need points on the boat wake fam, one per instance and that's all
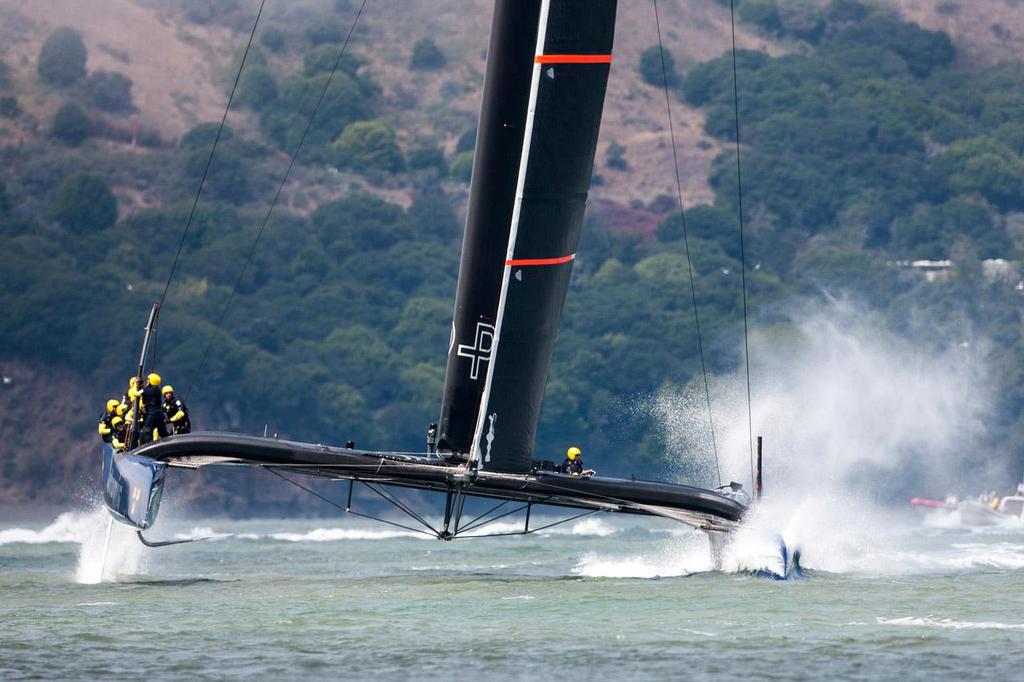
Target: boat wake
(949, 623)
(124, 555)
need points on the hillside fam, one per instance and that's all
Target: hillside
(869, 141)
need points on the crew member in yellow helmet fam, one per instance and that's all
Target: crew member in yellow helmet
(119, 434)
(104, 427)
(154, 421)
(176, 411)
(573, 464)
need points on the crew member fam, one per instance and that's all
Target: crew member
(154, 425)
(573, 464)
(128, 400)
(104, 428)
(176, 411)
(118, 435)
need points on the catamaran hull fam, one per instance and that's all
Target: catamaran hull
(125, 479)
(132, 487)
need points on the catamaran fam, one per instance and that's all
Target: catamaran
(543, 95)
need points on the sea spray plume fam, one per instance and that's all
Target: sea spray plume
(852, 415)
(843, 403)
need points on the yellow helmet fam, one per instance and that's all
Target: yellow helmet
(116, 421)
(154, 379)
(121, 409)
(133, 382)
(573, 452)
(167, 389)
(112, 404)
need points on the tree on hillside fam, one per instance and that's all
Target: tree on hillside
(368, 145)
(110, 91)
(426, 55)
(62, 57)
(203, 135)
(9, 107)
(84, 203)
(325, 30)
(227, 179)
(5, 202)
(425, 157)
(286, 118)
(651, 68)
(461, 167)
(256, 88)
(273, 39)
(70, 124)
(322, 58)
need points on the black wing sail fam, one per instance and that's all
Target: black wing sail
(499, 146)
(570, 75)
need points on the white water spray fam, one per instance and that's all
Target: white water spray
(853, 418)
(107, 551)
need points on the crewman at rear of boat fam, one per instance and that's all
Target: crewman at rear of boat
(176, 411)
(104, 427)
(154, 422)
(118, 434)
(573, 464)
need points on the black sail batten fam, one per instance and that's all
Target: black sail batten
(570, 76)
(491, 198)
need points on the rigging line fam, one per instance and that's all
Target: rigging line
(338, 506)
(273, 203)
(686, 242)
(397, 502)
(209, 160)
(532, 530)
(743, 255)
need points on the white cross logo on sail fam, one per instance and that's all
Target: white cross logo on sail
(480, 351)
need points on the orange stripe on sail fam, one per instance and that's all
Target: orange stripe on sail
(540, 261)
(572, 59)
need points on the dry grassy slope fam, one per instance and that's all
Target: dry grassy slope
(694, 30)
(167, 61)
(985, 31)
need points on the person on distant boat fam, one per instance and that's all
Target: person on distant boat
(104, 427)
(176, 411)
(154, 422)
(118, 434)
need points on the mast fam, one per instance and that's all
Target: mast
(154, 315)
(492, 195)
(571, 62)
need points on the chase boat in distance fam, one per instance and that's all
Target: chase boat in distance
(543, 96)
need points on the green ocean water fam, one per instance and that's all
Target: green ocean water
(600, 598)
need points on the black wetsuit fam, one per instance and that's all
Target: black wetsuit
(105, 420)
(573, 467)
(153, 414)
(171, 409)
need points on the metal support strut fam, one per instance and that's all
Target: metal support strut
(455, 503)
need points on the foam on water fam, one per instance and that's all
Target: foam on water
(676, 555)
(949, 623)
(339, 534)
(124, 554)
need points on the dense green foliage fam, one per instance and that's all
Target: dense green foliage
(71, 125)
(369, 145)
(863, 148)
(62, 57)
(110, 91)
(84, 203)
(426, 55)
(654, 71)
